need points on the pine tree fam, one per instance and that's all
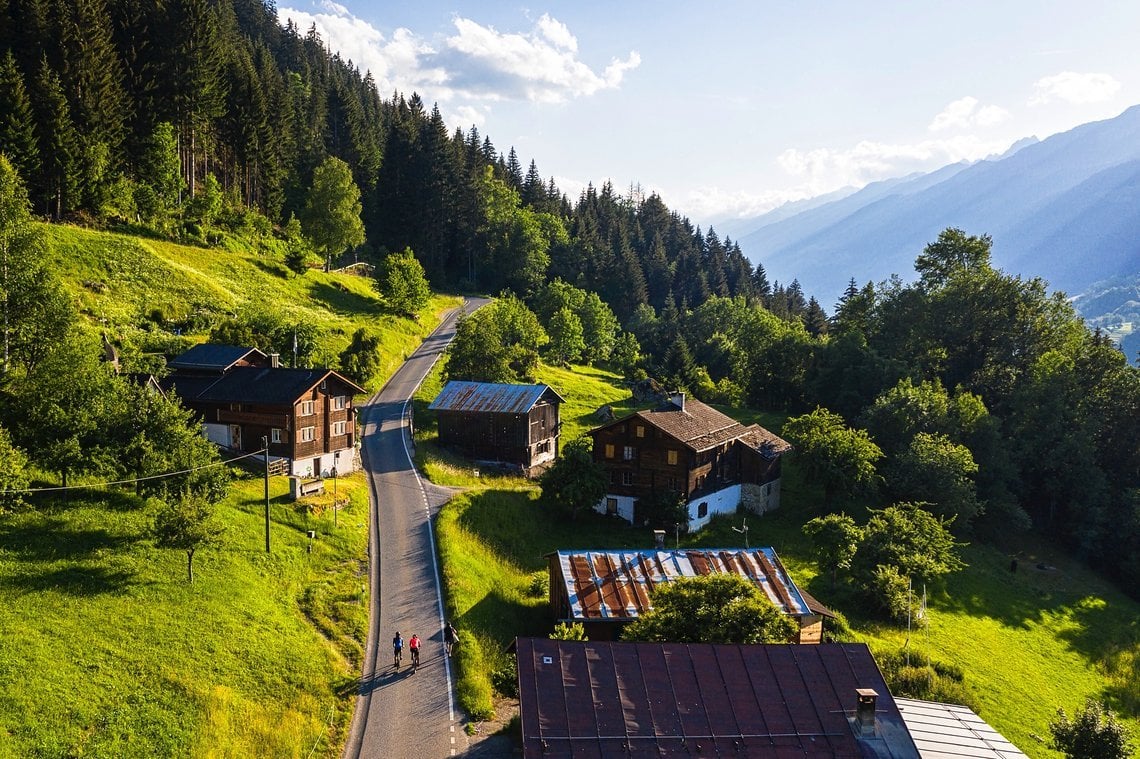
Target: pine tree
(17, 124)
(57, 185)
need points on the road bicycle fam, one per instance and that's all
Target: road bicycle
(415, 659)
(397, 655)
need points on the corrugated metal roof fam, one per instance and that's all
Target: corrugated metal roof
(606, 699)
(948, 731)
(490, 397)
(615, 585)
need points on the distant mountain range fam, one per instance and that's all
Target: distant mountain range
(1066, 209)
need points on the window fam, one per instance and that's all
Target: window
(306, 408)
(613, 477)
(672, 457)
(308, 434)
(673, 484)
(627, 478)
(611, 506)
(235, 407)
(338, 402)
(703, 510)
(609, 450)
(338, 428)
(275, 435)
(628, 452)
(640, 431)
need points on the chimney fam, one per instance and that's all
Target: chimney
(678, 400)
(659, 539)
(274, 360)
(865, 710)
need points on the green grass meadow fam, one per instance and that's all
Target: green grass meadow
(1027, 642)
(108, 651)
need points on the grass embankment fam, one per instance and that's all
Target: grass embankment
(107, 651)
(140, 290)
(1027, 643)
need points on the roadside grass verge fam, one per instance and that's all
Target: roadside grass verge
(106, 650)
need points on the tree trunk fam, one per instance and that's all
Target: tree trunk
(190, 565)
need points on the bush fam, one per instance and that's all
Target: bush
(890, 592)
(569, 631)
(505, 679)
(539, 586)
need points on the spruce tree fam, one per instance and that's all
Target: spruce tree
(17, 124)
(57, 184)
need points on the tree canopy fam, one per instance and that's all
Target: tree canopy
(716, 608)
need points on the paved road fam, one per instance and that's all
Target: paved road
(400, 714)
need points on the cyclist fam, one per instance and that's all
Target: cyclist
(397, 649)
(414, 647)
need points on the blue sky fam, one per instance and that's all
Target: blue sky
(732, 108)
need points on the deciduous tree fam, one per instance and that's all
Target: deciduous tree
(187, 523)
(842, 459)
(574, 483)
(717, 608)
(331, 218)
(403, 284)
(1092, 733)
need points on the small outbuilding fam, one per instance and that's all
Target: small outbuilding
(518, 425)
(606, 590)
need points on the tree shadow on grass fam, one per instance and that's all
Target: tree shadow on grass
(340, 298)
(272, 269)
(53, 539)
(111, 499)
(74, 580)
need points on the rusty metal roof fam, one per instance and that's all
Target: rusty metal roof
(491, 397)
(615, 585)
(607, 699)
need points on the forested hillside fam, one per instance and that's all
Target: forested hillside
(205, 121)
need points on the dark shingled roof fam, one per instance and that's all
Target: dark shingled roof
(265, 385)
(217, 358)
(491, 397)
(701, 427)
(605, 699)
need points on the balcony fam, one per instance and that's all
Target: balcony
(281, 421)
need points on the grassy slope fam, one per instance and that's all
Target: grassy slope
(105, 650)
(1028, 643)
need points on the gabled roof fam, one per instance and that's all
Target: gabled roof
(700, 427)
(606, 699)
(215, 358)
(257, 384)
(615, 585)
(947, 731)
(492, 397)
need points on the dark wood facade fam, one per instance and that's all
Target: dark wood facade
(511, 424)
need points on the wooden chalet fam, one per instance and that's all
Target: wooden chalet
(516, 425)
(605, 699)
(605, 590)
(307, 416)
(684, 446)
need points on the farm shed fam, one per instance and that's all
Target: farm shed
(495, 422)
(606, 590)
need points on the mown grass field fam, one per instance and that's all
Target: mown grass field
(1028, 642)
(107, 651)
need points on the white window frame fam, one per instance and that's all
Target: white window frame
(308, 408)
(275, 435)
(307, 434)
(628, 453)
(339, 402)
(339, 428)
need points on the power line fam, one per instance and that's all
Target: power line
(87, 486)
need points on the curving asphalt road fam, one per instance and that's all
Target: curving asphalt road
(400, 714)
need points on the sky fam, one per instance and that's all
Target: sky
(729, 109)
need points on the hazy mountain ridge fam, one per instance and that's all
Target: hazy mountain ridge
(1063, 209)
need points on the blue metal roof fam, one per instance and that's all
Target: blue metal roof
(490, 397)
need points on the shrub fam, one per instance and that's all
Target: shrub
(569, 631)
(539, 586)
(891, 593)
(505, 679)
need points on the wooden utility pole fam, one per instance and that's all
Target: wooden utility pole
(265, 446)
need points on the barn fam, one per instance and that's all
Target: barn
(500, 423)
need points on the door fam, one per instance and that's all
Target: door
(235, 437)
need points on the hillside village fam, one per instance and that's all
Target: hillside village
(290, 371)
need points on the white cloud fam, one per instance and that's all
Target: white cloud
(540, 66)
(1074, 88)
(965, 113)
(713, 202)
(468, 70)
(822, 169)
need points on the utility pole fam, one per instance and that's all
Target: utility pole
(265, 446)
